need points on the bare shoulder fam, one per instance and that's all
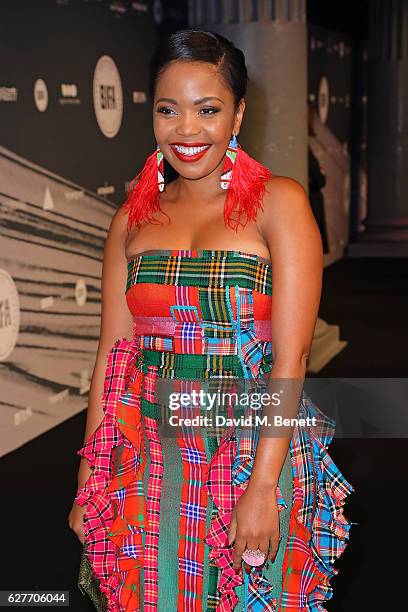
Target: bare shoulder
(284, 195)
(119, 222)
(116, 238)
(285, 204)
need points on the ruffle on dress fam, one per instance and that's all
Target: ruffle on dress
(318, 529)
(115, 516)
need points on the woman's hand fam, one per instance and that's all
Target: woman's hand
(76, 520)
(255, 524)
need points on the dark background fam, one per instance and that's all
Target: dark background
(61, 43)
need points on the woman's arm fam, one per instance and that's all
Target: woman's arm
(288, 226)
(291, 232)
(116, 322)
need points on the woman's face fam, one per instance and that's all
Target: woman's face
(194, 117)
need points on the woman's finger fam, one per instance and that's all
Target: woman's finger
(274, 547)
(239, 547)
(232, 529)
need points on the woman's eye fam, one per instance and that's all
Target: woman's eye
(209, 110)
(165, 110)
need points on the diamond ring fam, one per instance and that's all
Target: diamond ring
(253, 557)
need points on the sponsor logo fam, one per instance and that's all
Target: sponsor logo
(80, 292)
(107, 96)
(105, 190)
(117, 7)
(157, 11)
(323, 99)
(139, 7)
(41, 95)
(69, 94)
(58, 397)
(139, 97)
(77, 194)
(8, 94)
(23, 415)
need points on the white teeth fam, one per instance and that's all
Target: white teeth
(189, 150)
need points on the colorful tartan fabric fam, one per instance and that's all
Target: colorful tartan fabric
(201, 316)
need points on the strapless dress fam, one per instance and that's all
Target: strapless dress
(159, 499)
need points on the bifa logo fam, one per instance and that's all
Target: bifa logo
(108, 100)
(41, 95)
(323, 99)
(9, 314)
(69, 90)
(108, 96)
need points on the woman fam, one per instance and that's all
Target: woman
(206, 521)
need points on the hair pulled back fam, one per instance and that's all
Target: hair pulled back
(201, 46)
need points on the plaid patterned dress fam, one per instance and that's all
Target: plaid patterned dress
(159, 503)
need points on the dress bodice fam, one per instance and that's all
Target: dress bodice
(203, 302)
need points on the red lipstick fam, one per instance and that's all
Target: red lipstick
(180, 149)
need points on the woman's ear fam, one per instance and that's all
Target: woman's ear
(239, 116)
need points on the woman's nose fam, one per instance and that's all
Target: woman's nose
(187, 125)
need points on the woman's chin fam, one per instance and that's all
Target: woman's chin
(189, 172)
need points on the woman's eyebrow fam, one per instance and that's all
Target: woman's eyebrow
(207, 98)
(199, 101)
(170, 100)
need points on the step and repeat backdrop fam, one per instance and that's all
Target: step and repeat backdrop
(75, 129)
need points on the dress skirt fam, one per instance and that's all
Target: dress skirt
(179, 536)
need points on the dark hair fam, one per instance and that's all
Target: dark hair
(202, 46)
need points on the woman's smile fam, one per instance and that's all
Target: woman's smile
(189, 152)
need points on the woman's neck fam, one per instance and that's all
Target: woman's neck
(203, 190)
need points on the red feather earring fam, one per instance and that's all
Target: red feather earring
(143, 196)
(242, 177)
